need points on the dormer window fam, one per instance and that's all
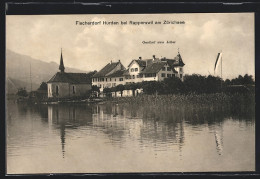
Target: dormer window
(163, 68)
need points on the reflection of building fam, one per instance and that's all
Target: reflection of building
(64, 84)
(155, 69)
(66, 117)
(121, 123)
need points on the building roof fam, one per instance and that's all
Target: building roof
(177, 61)
(117, 74)
(107, 69)
(126, 72)
(61, 67)
(154, 67)
(73, 78)
(141, 63)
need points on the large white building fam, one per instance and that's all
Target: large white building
(155, 69)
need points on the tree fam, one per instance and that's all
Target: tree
(172, 85)
(22, 92)
(95, 88)
(43, 86)
(248, 80)
(213, 84)
(194, 83)
(152, 87)
(107, 91)
(120, 88)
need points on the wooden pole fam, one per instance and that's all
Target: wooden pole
(221, 71)
(31, 77)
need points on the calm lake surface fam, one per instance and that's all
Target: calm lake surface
(92, 138)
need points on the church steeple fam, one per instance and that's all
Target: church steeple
(61, 67)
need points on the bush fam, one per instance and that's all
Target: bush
(22, 92)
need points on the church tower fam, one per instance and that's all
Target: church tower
(61, 67)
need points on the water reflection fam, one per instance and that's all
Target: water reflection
(159, 128)
(163, 132)
(65, 117)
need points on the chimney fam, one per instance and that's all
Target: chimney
(118, 60)
(111, 61)
(140, 58)
(153, 58)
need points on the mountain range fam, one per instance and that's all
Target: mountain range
(23, 71)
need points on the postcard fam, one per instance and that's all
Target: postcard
(130, 93)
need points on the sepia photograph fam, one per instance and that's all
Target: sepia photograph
(130, 93)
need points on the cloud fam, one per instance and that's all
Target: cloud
(91, 47)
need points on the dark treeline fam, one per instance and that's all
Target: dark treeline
(191, 84)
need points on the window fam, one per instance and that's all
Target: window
(73, 90)
(110, 79)
(57, 90)
(180, 75)
(132, 69)
(121, 79)
(115, 79)
(106, 79)
(136, 69)
(163, 74)
(173, 75)
(168, 68)
(168, 75)
(163, 68)
(180, 69)
(150, 75)
(133, 76)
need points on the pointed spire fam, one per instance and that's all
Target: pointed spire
(61, 67)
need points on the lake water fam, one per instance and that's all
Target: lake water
(93, 138)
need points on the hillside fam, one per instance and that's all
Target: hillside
(18, 71)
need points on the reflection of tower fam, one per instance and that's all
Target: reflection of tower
(62, 131)
(218, 132)
(54, 117)
(62, 137)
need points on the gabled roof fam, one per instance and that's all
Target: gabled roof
(126, 72)
(117, 74)
(108, 68)
(154, 67)
(73, 78)
(141, 63)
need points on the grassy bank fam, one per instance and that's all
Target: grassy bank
(196, 108)
(187, 100)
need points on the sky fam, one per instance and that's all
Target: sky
(91, 47)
